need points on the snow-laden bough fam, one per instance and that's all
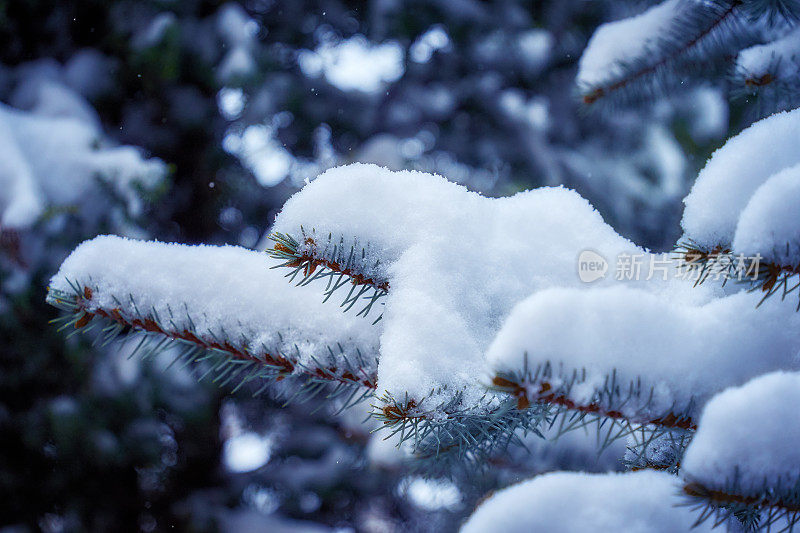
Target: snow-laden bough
(636, 357)
(224, 306)
(443, 267)
(744, 459)
(742, 214)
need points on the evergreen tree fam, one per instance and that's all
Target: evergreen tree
(462, 328)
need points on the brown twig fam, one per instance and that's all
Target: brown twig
(547, 395)
(287, 366)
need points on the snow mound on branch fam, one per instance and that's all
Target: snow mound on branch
(222, 292)
(747, 438)
(564, 502)
(734, 173)
(779, 59)
(616, 43)
(456, 263)
(770, 224)
(54, 156)
(680, 349)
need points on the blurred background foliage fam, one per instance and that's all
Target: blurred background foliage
(230, 108)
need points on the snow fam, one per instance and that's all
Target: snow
(56, 161)
(235, 26)
(708, 113)
(431, 494)
(246, 452)
(681, 349)
(536, 48)
(261, 152)
(90, 73)
(355, 63)
(388, 453)
(779, 58)
(770, 224)
(456, 263)
(231, 102)
(534, 112)
(616, 43)
(20, 199)
(225, 291)
(51, 98)
(153, 34)
(238, 63)
(238, 33)
(734, 173)
(564, 502)
(55, 151)
(749, 435)
(431, 41)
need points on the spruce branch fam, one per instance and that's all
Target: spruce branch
(768, 278)
(774, 504)
(656, 450)
(629, 404)
(765, 93)
(313, 258)
(452, 434)
(616, 410)
(700, 39)
(476, 434)
(768, 85)
(775, 11)
(227, 359)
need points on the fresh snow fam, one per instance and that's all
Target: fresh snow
(779, 58)
(616, 43)
(246, 452)
(748, 438)
(354, 64)
(55, 153)
(431, 494)
(565, 502)
(456, 263)
(734, 173)
(770, 224)
(220, 292)
(678, 348)
(238, 33)
(433, 40)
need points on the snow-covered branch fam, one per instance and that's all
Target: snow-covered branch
(742, 212)
(749, 469)
(635, 357)
(334, 262)
(637, 57)
(216, 301)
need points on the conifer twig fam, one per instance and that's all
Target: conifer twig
(342, 265)
(642, 68)
(754, 511)
(767, 277)
(83, 313)
(520, 389)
